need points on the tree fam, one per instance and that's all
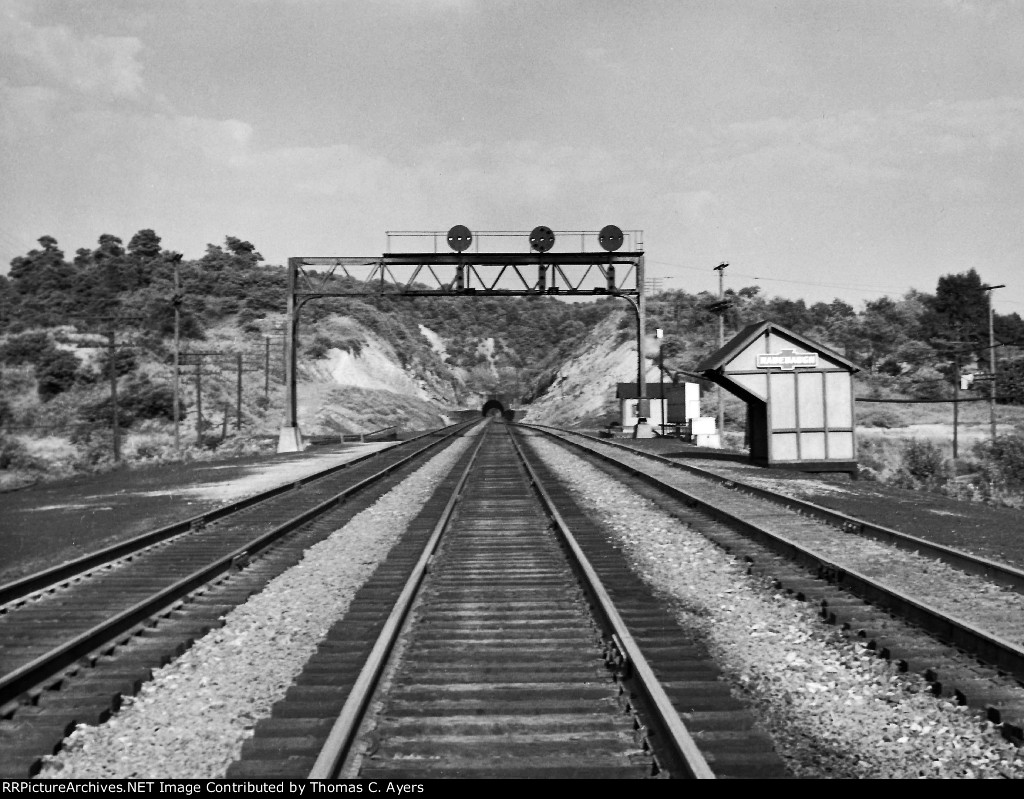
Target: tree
(1009, 328)
(244, 251)
(884, 327)
(958, 312)
(30, 273)
(110, 246)
(145, 244)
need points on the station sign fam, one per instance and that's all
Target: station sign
(787, 360)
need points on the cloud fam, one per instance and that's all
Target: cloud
(989, 11)
(867, 147)
(99, 66)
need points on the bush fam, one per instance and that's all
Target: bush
(55, 371)
(318, 347)
(125, 363)
(145, 400)
(879, 417)
(25, 349)
(1002, 461)
(139, 399)
(14, 455)
(923, 462)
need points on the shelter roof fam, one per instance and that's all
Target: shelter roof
(725, 355)
(672, 390)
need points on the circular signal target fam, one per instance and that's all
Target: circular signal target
(459, 238)
(610, 238)
(542, 239)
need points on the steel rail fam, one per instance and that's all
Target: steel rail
(339, 741)
(17, 682)
(48, 578)
(992, 649)
(684, 752)
(999, 573)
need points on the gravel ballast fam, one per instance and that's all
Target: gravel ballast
(833, 708)
(193, 717)
(967, 597)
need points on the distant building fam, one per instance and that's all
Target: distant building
(671, 404)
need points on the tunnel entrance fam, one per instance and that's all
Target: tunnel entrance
(493, 408)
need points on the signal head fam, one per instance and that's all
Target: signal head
(459, 238)
(542, 239)
(610, 238)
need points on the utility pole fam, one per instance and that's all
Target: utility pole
(266, 370)
(238, 404)
(661, 377)
(992, 358)
(176, 302)
(721, 308)
(956, 406)
(112, 365)
(199, 399)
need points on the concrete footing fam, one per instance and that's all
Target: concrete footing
(290, 440)
(643, 430)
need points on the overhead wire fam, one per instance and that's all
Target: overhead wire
(868, 288)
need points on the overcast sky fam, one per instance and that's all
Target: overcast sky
(824, 149)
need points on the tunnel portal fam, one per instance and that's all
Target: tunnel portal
(493, 408)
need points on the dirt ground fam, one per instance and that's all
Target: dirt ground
(51, 523)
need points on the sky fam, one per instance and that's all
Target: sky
(824, 149)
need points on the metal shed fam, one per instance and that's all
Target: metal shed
(799, 397)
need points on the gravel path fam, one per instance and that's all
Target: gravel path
(191, 720)
(833, 709)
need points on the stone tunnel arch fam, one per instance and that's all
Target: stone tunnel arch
(492, 407)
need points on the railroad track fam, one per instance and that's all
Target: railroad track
(487, 646)
(993, 571)
(776, 531)
(77, 637)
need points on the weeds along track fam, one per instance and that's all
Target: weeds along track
(77, 637)
(504, 637)
(954, 618)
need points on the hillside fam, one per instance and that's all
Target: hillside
(377, 361)
(583, 390)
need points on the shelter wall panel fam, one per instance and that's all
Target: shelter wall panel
(840, 446)
(837, 398)
(811, 398)
(812, 446)
(747, 359)
(755, 384)
(784, 447)
(782, 391)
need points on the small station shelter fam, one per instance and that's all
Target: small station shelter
(666, 400)
(799, 397)
(674, 405)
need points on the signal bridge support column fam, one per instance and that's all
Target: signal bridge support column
(290, 439)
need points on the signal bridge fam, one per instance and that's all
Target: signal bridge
(489, 263)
